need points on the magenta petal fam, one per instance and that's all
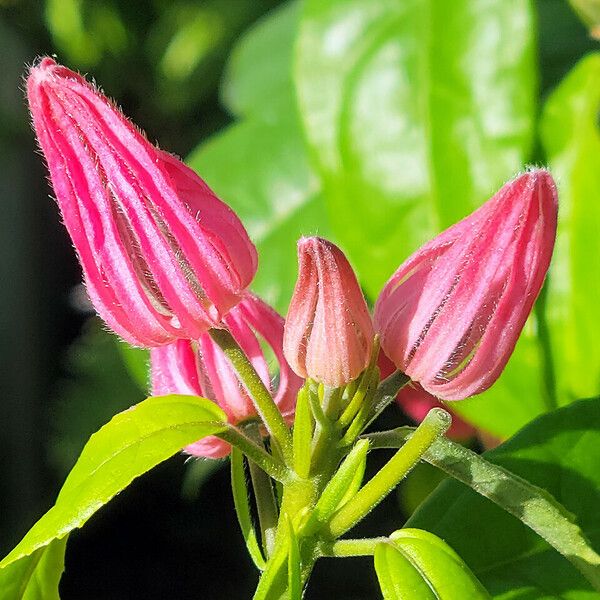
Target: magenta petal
(451, 314)
(328, 329)
(163, 258)
(186, 367)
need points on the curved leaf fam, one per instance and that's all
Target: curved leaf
(559, 452)
(35, 577)
(132, 443)
(416, 112)
(417, 565)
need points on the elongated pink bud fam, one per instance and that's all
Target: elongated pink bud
(328, 329)
(163, 258)
(201, 369)
(450, 316)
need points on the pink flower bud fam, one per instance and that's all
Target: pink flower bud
(416, 403)
(163, 258)
(201, 369)
(450, 316)
(328, 329)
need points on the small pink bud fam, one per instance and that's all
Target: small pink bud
(201, 369)
(416, 403)
(328, 329)
(163, 258)
(450, 316)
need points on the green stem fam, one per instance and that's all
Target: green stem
(266, 505)
(257, 454)
(349, 548)
(433, 426)
(262, 399)
(532, 505)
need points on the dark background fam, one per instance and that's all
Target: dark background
(173, 533)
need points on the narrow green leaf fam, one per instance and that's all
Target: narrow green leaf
(355, 483)
(302, 435)
(559, 452)
(271, 578)
(35, 577)
(132, 443)
(335, 490)
(261, 170)
(239, 489)
(415, 112)
(571, 137)
(258, 75)
(417, 565)
(529, 503)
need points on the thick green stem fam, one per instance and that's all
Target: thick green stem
(262, 399)
(433, 426)
(266, 505)
(257, 454)
(349, 548)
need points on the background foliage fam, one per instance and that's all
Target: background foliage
(375, 123)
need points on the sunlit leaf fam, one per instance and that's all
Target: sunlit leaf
(571, 136)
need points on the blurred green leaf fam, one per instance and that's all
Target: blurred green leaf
(258, 76)
(261, 170)
(589, 13)
(417, 565)
(35, 577)
(416, 112)
(84, 30)
(132, 443)
(137, 362)
(571, 137)
(559, 452)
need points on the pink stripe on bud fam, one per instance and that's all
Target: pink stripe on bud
(328, 329)
(163, 258)
(201, 369)
(450, 316)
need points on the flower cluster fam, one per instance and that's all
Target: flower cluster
(165, 262)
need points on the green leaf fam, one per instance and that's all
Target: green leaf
(417, 565)
(258, 76)
(529, 503)
(261, 170)
(416, 111)
(335, 491)
(239, 488)
(571, 137)
(559, 452)
(132, 443)
(35, 577)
